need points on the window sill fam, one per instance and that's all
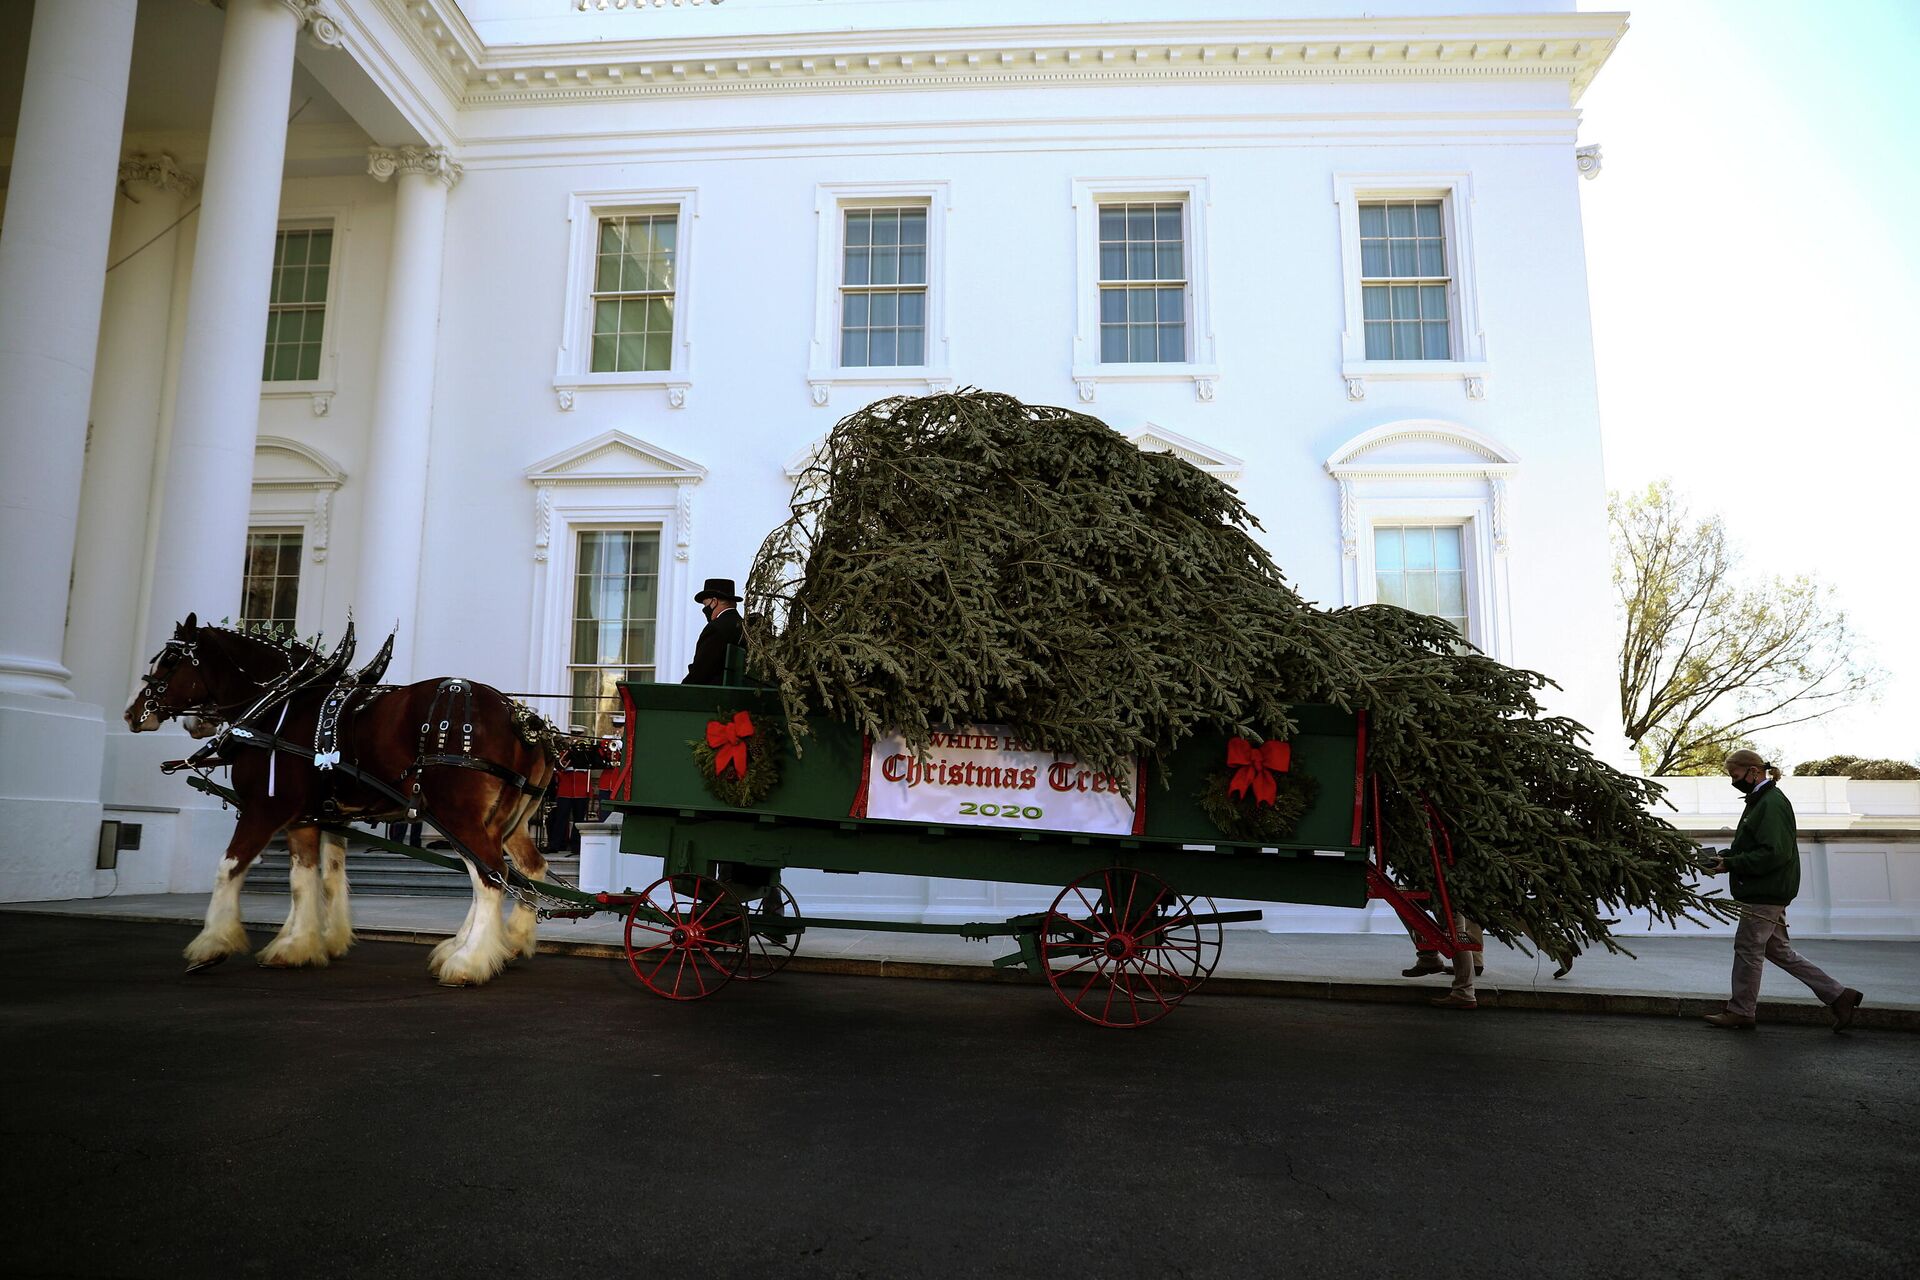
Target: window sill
(678, 386)
(319, 393)
(821, 382)
(1471, 373)
(1087, 378)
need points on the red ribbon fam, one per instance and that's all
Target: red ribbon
(728, 740)
(1253, 768)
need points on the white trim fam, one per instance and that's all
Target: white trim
(1154, 438)
(1428, 471)
(1200, 367)
(824, 371)
(1455, 192)
(319, 392)
(584, 211)
(613, 481)
(298, 494)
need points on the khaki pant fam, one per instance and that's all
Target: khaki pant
(1466, 931)
(1762, 936)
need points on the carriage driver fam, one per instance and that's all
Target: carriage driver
(716, 601)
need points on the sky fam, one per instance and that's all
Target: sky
(1753, 250)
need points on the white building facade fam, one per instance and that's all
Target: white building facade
(509, 321)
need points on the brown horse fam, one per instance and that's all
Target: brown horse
(474, 761)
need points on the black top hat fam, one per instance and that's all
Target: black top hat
(717, 589)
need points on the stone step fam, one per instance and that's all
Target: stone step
(383, 873)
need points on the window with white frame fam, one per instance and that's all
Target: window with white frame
(270, 585)
(634, 284)
(1142, 305)
(297, 304)
(616, 605)
(1422, 567)
(630, 293)
(1405, 287)
(1143, 282)
(1407, 263)
(883, 287)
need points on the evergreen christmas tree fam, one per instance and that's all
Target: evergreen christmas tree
(968, 558)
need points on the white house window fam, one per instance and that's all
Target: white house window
(297, 304)
(883, 288)
(1422, 568)
(1142, 308)
(1404, 281)
(270, 587)
(1143, 282)
(1412, 307)
(633, 292)
(616, 605)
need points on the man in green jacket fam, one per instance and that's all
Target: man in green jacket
(1764, 863)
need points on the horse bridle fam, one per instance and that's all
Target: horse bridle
(154, 686)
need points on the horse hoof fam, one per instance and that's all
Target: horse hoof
(198, 965)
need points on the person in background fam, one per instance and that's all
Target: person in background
(1764, 865)
(724, 627)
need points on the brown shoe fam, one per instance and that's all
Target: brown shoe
(1454, 1000)
(1728, 1021)
(1427, 963)
(1843, 1007)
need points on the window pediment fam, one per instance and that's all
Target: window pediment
(615, 458)
(1153, 438)
(1421, 447)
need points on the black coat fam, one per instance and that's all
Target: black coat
(709, 664)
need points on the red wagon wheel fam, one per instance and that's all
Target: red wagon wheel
(686, 937)
(1121, 949)
(775, 937)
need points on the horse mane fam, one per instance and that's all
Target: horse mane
(297, 651)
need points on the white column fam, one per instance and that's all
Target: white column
(388, 582)
(103, 618)
(201, 544)
(53, 261)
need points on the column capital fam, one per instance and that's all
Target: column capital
(322, 29)
(160, 171)
(432, 162)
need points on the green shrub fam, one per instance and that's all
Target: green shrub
(1844, 766)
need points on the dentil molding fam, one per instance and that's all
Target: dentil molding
(1569, 47)
(432, 162)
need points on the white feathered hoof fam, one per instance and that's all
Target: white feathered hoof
(522, 929)
(214, 945)
(339, 940)
(304, 951)
(470, 967)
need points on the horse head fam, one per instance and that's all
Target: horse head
(204, 675)
(176, 682)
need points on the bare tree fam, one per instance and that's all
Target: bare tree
(1710, 663)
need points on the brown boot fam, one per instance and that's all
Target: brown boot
(1454, 1000)
(1424, 963)
(1728, 1021)
(1843, 1007)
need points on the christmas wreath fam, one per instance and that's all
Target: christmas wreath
(739, 759)
(1257, 796)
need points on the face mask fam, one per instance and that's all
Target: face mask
(1742, 785)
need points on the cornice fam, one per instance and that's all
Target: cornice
(1567, 47)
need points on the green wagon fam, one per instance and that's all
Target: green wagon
(1133, 931)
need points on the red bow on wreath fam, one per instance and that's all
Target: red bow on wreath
(728, 740)
(1253, 768)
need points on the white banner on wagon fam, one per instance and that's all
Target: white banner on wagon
(979, 776)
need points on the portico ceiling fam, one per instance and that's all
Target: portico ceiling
(170, 91)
